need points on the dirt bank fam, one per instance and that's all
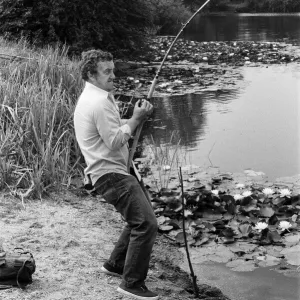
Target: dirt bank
(70, 236)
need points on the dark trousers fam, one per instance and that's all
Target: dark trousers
(133, 249)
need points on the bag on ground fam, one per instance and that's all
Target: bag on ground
(16, 269)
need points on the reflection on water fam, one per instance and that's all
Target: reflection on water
(245, 27)
(253, 127)
(187, 114)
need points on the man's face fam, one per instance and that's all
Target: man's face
(105, 76)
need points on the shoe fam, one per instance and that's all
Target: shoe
(109, 270)
(138, 293)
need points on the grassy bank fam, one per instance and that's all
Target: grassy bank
(38, 91)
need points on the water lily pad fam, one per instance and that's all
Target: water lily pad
(174, 223)
(274, 236)
(161, 220)
(241, 265)
(220, 254)
(291, 249)
(201, 241)
(292, 255)
(180, 237)
(248, 208)
(268, 260)
(165, 227)
(211, 216)
(275, 253)
(291, 240)
(242, 247)
(227, 240)
(279, 201)
(228, 232)
(254, 173)
(251, 256)
(293, 258)
(266, 211)
(245, 229)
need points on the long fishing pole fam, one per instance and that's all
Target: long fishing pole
(152, 88)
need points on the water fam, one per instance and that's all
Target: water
(260, 284)
(255, 126)
(245, 27)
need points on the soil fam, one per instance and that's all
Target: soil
(70, 236)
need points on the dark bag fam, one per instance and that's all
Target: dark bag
(16, 269)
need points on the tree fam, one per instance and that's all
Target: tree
(107, 24)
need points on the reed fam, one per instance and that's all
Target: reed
(37, 100)
(163, 158)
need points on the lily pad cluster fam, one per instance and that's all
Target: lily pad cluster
(231, 52)
(246, 225)
(194, 66)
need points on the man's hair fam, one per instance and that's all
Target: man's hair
(89, 62)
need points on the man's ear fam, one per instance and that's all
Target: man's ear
(90, 75)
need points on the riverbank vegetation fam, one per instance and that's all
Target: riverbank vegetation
(37, 143)
(117, 26)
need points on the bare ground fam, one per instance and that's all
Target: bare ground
(70, 236)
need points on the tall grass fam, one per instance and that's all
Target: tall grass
(37, 99)
(163, 159)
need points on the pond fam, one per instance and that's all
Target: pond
(261, 284)
(253, 126)
(245, 27)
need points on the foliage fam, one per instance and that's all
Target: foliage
(37, 98)
(274, 5)
(248, 5)
(113, 25)
(107, 24)
(168, 15)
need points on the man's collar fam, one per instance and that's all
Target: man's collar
(103, 92)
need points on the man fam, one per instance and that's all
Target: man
(102, 137)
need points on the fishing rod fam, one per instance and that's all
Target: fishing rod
(152, 88)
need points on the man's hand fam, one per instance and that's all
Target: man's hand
(142, 110)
